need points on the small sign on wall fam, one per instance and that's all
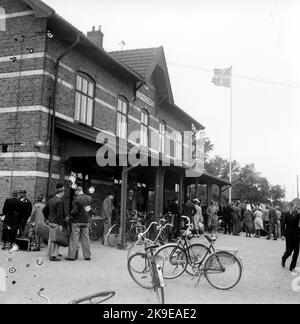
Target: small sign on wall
(145, 99)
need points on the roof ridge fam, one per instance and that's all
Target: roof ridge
(135, 49)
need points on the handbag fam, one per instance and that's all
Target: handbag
(42, 230)
(61, 237)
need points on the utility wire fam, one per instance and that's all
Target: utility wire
(281, 84)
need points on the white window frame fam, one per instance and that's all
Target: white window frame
(84, 99)
(178, 146)
(162, 137)
(144, 137)
(122, 118)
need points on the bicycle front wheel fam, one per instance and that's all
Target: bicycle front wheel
(139, 270)
(173, 260)
(197, 253)
(113, 235)
(223, 270)
(93, 235)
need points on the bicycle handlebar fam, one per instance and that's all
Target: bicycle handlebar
(189, 221)
(147, 230)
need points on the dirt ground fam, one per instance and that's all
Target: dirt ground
(263, 280)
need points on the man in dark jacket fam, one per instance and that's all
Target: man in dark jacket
(26, 210)
(80, 217)
(13, 210)
(227, 217)
(189, 209)
(291, 227)
(54, 213)
(174, 210)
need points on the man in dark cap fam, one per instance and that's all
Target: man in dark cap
(54, 212)
(13, 211)
(26, 210)
(80, 217)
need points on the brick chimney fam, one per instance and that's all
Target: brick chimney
(96, 36)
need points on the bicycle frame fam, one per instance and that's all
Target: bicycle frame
(210, 248)
(155, 270)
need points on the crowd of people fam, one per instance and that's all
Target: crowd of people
(236, 218)
(21, 219)
(19, 215)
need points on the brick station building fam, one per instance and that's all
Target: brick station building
(59, 89)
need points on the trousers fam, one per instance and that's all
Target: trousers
(292, 247)
(52, 246)
(80, 233)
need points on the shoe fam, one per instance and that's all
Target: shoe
(274, 239)
(54, 259)
(60, 255)
(87, 259)
(69, 259)
(292, 269)
(3, 248)
(283, 264)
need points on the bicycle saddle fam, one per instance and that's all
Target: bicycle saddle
(210, 239)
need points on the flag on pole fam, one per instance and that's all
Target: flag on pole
(222, 77)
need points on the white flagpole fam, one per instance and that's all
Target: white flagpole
(230, 145)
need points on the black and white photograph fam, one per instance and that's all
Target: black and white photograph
(149, 154)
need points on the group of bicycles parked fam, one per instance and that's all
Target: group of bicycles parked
(152, 259)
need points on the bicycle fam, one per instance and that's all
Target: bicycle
(93, 230)
(147, 272)
(143, 238)
(181, 255)
(133, 228)
(201, 259)
(98, 298)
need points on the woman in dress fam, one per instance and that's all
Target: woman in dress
(258, 222)
(248, 221)
(198, 218)
(36, 218)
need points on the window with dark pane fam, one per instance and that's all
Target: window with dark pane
(122, 111)
(84, 99)
(145, 128)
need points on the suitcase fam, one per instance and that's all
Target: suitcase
(23, 244)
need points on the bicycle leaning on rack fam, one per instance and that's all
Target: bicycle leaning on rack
(134, 226)
(146, 271)
(143, 238)
(222, 268)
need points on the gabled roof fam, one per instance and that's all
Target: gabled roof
(147, 62)
(138, 60)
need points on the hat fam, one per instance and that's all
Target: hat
(59, 190)
(196, 200)
(22, 191)
(60, 185)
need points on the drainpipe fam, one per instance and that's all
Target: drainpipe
(52, 130)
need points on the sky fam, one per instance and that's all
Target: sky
(259, 39)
